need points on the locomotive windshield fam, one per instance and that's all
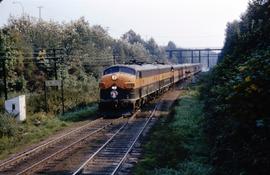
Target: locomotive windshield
(119, 69)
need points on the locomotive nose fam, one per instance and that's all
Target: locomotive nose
(120, 80)
(114, 94)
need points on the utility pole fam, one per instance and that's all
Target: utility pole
(18, 2)
(45, 98)
(62, 87)
(5, 77)
(39, 9)
(114, 59)
(114, 52)
(55, 65)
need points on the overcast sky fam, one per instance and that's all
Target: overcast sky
(189, 23)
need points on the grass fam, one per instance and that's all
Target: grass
(80, 114)
(177, 143)
(15, 136)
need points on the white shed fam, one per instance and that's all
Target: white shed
(17, 107)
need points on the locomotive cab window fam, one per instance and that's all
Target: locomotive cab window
(119, 69)
(139, 74)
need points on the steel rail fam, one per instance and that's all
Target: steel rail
(132, 145)
(43, 146)
(60, 151)
(78, 171)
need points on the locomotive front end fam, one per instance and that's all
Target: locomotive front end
(117, 91)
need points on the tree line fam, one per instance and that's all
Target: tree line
(237, 96)
(27, 45)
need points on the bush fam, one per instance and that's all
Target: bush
(2, 103)
(8, 125)
(77, 94)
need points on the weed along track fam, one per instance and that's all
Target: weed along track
(37, 158)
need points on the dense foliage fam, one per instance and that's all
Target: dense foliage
(27, 46)
(237, 96)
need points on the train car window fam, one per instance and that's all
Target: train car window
(127, 70)
(119, 69)
(147, 73)
(111, 70)
(140, 74)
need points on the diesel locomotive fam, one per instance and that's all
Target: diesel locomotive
(125, 88)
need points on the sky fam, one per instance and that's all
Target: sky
(188, 23)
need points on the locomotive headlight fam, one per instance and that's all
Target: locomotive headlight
(114, 87)
(114, 77)
(114, 94)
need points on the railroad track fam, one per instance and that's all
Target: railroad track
(93, 139)
(34, 159)
(111, 155)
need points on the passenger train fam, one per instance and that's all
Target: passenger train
(125, 88)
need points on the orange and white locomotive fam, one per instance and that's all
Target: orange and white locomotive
(124, 88)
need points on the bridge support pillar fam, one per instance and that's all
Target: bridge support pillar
(199, 56)
(208, 59)
(192, 56)
(180, 59)
(170, 54)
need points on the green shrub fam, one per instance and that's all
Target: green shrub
(2, 102)
(77, 94)
(8, 125)
(165, 171)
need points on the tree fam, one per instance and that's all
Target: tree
(237, 97)
(132, 37)
(171, 45)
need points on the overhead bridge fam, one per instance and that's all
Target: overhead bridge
(206, 56)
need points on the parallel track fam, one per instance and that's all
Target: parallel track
(28, 162)
(111, 155)
(101, 139)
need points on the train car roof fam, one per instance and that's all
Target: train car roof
(145, 67)
(142, 67)
(185, 65)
